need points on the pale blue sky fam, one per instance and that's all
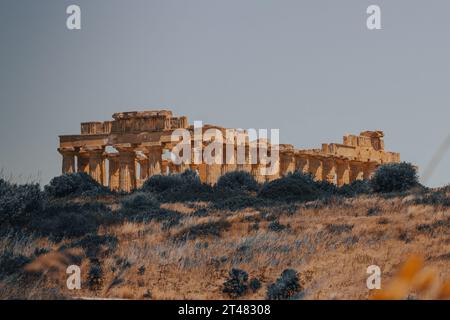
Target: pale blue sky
(309, 68)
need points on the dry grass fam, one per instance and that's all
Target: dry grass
(330, 246)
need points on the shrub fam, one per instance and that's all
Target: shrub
(11, 263)
(144, 207)
(236, 285)
(74, 184)
(203, 230)
(238, 202)
(95, 277)
(254, 284)
(355, 188)
(19, 202)
(59, 220)
(237, 181)
(285, 287)
(93, 245)
(178, 187)
(295, 186)
(394, 177)
(139, 201)
(435, 198)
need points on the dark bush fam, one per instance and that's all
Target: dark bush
(355, 188)
(239, 202)
(295, 186)
(286, 287)
(237, 181)
(202, 212)
(144, 207)
(19, 202)
(74, 184)
(139, 201)
(236, 285)
(11, 263)
(254, 284)
(178, 187)
(59, 220)
(436, 198)
(394, 177)
(95, 277)
(94, 245)
(203, 230)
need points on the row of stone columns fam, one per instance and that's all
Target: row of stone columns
(123, 166)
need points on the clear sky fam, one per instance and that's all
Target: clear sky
(310, 68)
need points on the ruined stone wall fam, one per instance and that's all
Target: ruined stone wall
(139, 140)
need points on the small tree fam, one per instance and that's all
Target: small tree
(394, 177)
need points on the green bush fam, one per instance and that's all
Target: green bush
(69, 220)
(178, 187)
(144, 207)
(19, 202)
(355, 188)
(286, 287)
(237, 181)
(295, 186)
(394, 177)
(74, 184)
(140, 201)
(236, 285)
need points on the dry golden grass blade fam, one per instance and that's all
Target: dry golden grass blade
(424, 280)
(444, 291)
(57, 261)
(411, 267)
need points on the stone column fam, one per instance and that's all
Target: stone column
(154, 155)
(114, 175)
(302, 164)
(329, 171)
(315, 168)
(127, 170)
(343, 172)
(287, 162)
(68, 160)
(96, 166)
(83, 162)
(212, 173)
(144, 169)
(369, 169)
(356, 171)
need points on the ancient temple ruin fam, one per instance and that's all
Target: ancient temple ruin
(124, 152)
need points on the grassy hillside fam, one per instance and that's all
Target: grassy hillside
(149, 246)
